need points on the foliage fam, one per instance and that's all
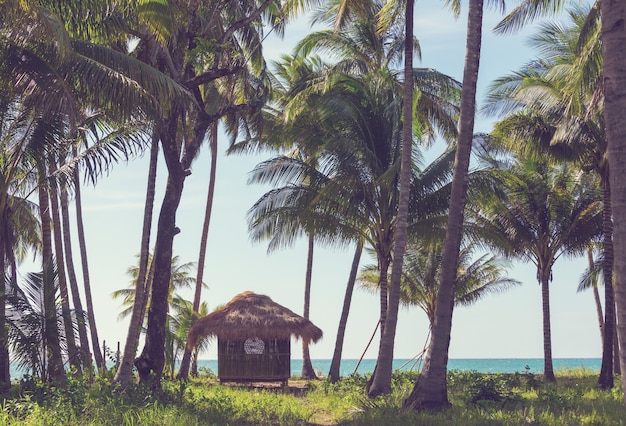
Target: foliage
(477, 399)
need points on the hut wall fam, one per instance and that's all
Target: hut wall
(249, 360)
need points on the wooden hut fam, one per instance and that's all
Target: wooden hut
(253, 338)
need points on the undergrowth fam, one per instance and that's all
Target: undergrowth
(476, 399)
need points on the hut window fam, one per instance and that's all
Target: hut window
(254, 346)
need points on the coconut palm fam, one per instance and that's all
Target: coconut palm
(368, 44)
(430, 390)
(19, 229)
(557, 99)
(213, 56)
(27, 322)
(549, 211)
(181, 279)
(68, 61)
(476, 277)
(614, 53)
(181, 318)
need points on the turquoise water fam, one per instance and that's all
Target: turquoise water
(483, 365)
(489, 365)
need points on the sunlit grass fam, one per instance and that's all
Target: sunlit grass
(477, 399)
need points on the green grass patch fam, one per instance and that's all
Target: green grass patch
(476, 398)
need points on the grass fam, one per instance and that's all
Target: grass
(476, 398)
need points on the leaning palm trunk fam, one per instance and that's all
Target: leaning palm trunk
(152, 359)
(307, 366)
(381, 381)
(85, 355)
(183, 372)
(334, 372)
(614, 74)
(124, 373)
(95, 342)
(605, 380)
(5, 373)
(430, 390)
(70, 339)
(52, 343)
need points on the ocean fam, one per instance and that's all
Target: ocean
(482, 365)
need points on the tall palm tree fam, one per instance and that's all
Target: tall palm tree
(124, 373)
(558, 99)
(215, 56)
(430, 390)
(381, 380)
(347, 11)
(335, 363)
(548, 211)
(183, 371)
(614, 53)
(59, 62)
(368, 44)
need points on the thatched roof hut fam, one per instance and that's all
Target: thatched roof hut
(254, 335)
(254, 315)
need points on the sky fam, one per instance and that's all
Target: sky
(507, 325)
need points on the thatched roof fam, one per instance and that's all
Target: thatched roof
(250, 315)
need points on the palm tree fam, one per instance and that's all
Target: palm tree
(557, 98)
(69, 61)
(180, 276)
(187, 355)
(214, 56)
(549, 211)
(430, 390)
(28, 326)
(124, 373)
(614, 53)
(180, 319)
(476, 278)
(335, 364)
(19, 229)
(367, 44)
(381, 380)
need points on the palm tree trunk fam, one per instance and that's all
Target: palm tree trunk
(307, 366)
(54, 370)
(70, 338)
(548, 370)
(183, 371)
(430, 390)
(596, 295)
(605, 381)
(383, 286)
(152, 358)
(85, 355)
(95, 342)
(614, 77)
(616, 351)
(5, 372)
(381, 381)
(124, 373)
(334, 372)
